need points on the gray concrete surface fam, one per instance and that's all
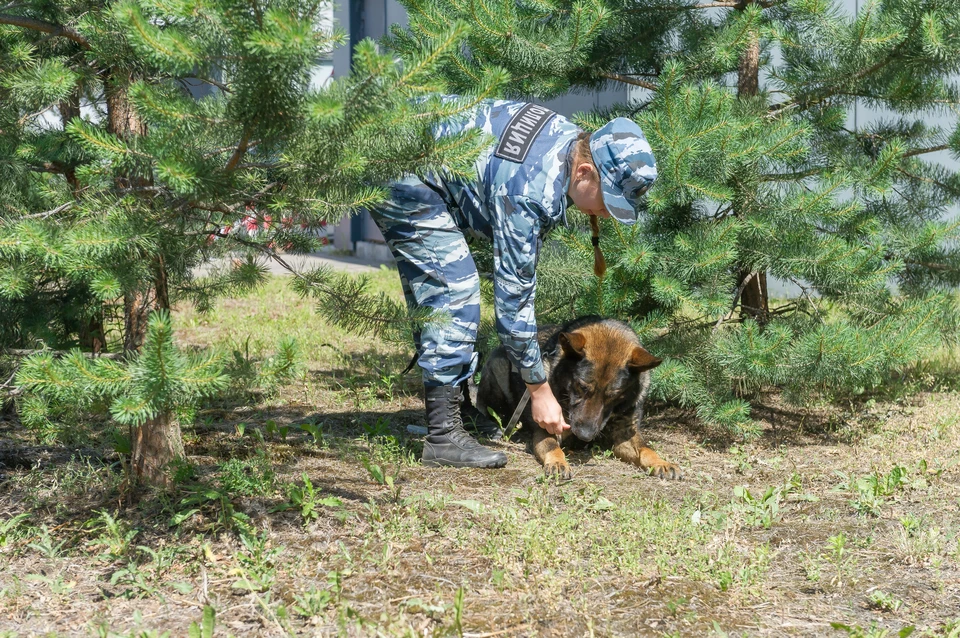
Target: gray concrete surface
(326, 256)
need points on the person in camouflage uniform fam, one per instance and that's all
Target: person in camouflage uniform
(518, 194)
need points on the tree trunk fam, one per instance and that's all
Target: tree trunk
(160, 283)
(92, 336)
(748, 73)
(123, 121)
(122, 118)
(754, 300)
(136, 309)
(137, 306)
(154, 445)
(157, 442)
(69, 109)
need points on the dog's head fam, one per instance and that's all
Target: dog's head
(599, 374)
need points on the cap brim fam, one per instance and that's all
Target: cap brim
(616, 203)
(619, 206)
(626, 164)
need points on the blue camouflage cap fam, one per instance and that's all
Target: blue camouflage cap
(626, 165)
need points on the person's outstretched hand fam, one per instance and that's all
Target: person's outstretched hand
(546, 411)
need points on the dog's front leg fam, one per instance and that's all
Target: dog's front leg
(630, 447)
(548, 452)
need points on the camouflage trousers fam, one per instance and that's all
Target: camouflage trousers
(436, 271)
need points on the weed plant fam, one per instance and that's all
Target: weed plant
(248, 477)
(307, 501)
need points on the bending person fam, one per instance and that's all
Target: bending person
(519, 192)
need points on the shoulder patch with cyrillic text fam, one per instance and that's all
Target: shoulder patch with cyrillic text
(522, 130)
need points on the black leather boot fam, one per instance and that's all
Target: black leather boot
(447, 443)
(474, 421)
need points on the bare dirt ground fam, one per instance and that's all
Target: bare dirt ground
(303, 511)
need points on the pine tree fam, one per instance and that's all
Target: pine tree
(147, 387)
(761, 175)
(116, 182)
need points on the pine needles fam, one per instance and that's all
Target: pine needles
(761, 177)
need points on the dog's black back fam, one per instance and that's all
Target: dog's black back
(597, 370)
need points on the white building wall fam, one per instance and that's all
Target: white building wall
(863, 116)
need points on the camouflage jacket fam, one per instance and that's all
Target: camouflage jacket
(519, 193)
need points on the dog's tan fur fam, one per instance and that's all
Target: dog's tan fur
(593, 365)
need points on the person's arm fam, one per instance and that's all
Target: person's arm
(515, 249)
(545, 409)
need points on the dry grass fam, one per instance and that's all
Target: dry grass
(847, 516)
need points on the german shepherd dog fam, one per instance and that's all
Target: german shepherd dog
(599, 373)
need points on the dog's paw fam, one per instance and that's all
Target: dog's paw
(665, 470)
(559, 470)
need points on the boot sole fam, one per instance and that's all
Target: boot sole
(493, 465)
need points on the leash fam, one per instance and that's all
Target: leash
(412, 363)
(516, 413)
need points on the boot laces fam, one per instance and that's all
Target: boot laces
(462, 438)
(457, 434)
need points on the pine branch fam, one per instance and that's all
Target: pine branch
(736, 297)
(21, 352)
(55, 30)
(30, 116)
(50, 213)
(277, 165)
(931, 149)
(224, 149)
(874, 96)
(95, 137)
(720, 4)
(629, 80)
(9, 382)
(734, 4)
(219, 207)
(931, 265)
(785, 177)
(930, 180)
(54, 168)
(220, 85)
(241, 149)
(838, 85)
(440, 49)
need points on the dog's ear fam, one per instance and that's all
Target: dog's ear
(641, 360)
(572, 344)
